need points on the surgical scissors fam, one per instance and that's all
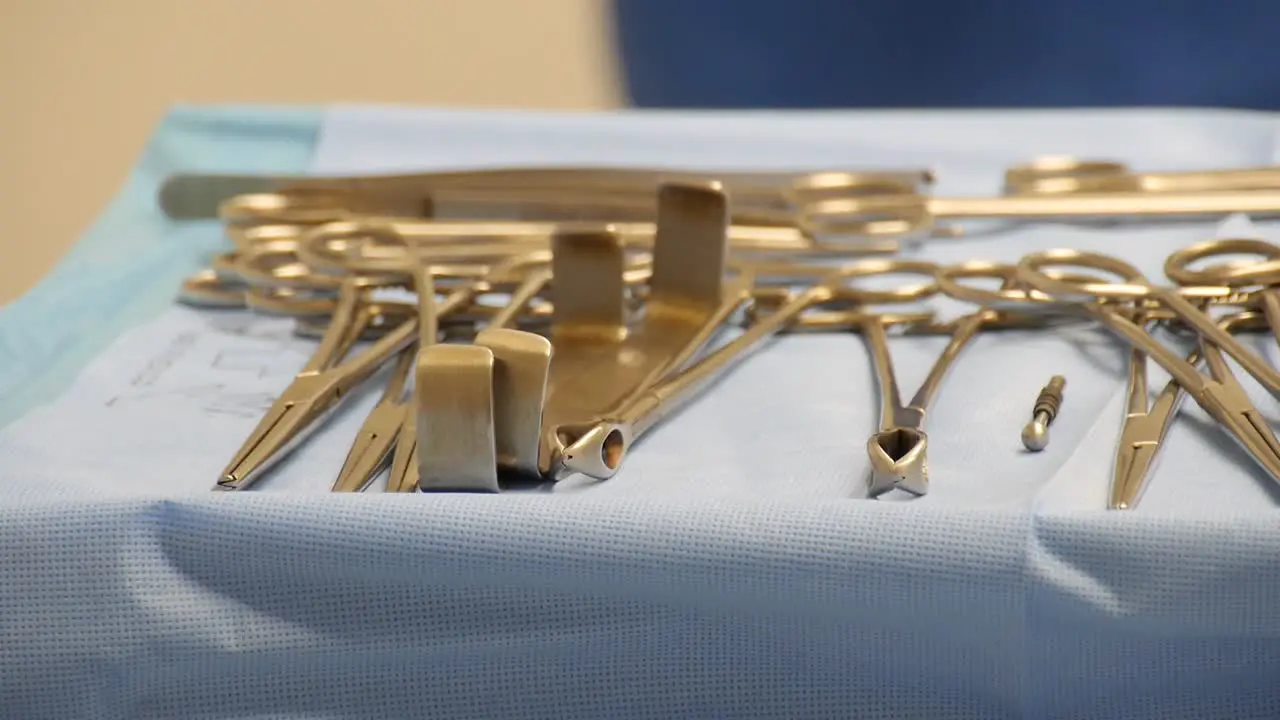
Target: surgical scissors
(1218, 393)
(1061, 174)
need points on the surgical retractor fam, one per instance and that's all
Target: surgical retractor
(1035, 436)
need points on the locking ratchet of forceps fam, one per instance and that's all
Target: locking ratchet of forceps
(1063, 174)
(1219, 394)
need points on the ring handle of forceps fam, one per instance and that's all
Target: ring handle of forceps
(325, 273)
(279, 264)
(839, 280)
(835, 280)
(294, 207)
(276, 264)
(321, 249)
(1231, 274)
(1133, 285)
(1017, 299)
(876, 210)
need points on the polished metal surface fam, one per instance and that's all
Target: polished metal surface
(536, 323)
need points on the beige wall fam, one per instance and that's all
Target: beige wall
(85, 81)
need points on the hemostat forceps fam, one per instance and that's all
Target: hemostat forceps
(1145, 428)
(898, 452)
(1060, 174)
(318, 388)
(1218, 393)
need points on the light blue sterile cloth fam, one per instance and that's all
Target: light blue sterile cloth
(126, 266)
(730, 570)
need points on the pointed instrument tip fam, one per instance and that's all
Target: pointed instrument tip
(1119, 500)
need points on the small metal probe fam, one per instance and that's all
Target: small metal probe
(1035, 436)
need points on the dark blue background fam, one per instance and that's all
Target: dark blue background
(949, 53)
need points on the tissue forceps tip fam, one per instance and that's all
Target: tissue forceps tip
(1136, 454)
(404, 460)
(301, 407)
(371, 450)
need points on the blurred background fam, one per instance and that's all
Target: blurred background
(85, 82)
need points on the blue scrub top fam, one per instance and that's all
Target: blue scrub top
(949, 53)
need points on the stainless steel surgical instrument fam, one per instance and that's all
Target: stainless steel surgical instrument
(1219, 393)
(600, 359)
(1257, 280)
(1059, 174)
(599, 447)
(373, 245)
(326, 379)
(1145, 427)
(1035, 434)
(371, 450)
(899, 451)
(309, 199)
(914, 214)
